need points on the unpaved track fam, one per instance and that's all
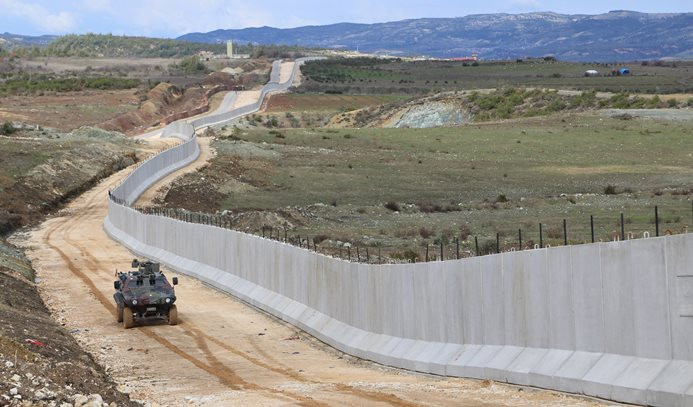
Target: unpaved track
(285, 73)
(223, 352)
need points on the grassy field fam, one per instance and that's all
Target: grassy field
(296, 102)
(401, 189)
(375, 76)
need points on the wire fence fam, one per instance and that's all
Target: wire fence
(455, 247)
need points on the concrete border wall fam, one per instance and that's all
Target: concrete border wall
(612, 320)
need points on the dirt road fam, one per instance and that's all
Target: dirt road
(285, 73)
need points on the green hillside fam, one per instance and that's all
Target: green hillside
(97, 45)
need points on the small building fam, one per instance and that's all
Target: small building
(229, 49)
(624, 71)
(591, 72)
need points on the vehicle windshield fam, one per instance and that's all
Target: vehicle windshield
(144, 288)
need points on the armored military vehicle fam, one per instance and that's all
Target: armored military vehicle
(144, 293)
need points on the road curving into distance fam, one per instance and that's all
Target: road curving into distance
(223, 352)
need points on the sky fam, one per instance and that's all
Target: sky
(172, 18)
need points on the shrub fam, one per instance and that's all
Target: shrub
(393, 206)
(555, 233)
(408, 255)
(609, 190)
(320, 238)
(502, 198)
(192, 65)
(7, 128)
(464, 232)
(426, 233)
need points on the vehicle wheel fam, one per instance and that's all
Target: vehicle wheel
(119, 314)
(128, 318)
(173, 315)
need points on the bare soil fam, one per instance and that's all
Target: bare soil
(68, 111)
(285, 73)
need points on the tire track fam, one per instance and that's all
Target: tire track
(216, 369)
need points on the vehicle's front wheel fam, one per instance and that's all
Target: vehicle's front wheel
(173, 315)
(128, 318)
(119, 314)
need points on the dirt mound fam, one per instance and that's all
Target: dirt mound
(276, 220)
(41, 169)
(162, 95)
(42, 364)
(437, 111)
(427, 114)
(162, 100)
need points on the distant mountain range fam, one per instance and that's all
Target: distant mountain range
(617, 35)
(9, 41)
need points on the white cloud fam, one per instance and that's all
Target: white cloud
(96, 5)
(39, 16)
(525, 3)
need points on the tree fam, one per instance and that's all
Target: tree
(192, 65)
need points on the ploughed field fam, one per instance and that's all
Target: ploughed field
(399, 190)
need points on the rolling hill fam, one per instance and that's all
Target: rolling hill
(617, 35)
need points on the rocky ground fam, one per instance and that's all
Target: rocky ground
(41, 364)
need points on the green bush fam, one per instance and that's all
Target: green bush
(192, 65)
(7, 128)
(26, 84)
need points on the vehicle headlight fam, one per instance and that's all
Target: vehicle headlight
(168, 300)
(134, 302)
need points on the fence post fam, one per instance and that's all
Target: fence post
(497, 242)
(457, 247)
(476, 244)
(565, 233)
(285, 240)
(380, 260)
(541, 237)
(623, 230)
(358, 255)
(426, 252)
(368, 257)
(519, 236)
(592, 227)
(442, 258)
(349, 252)
(656, 221)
